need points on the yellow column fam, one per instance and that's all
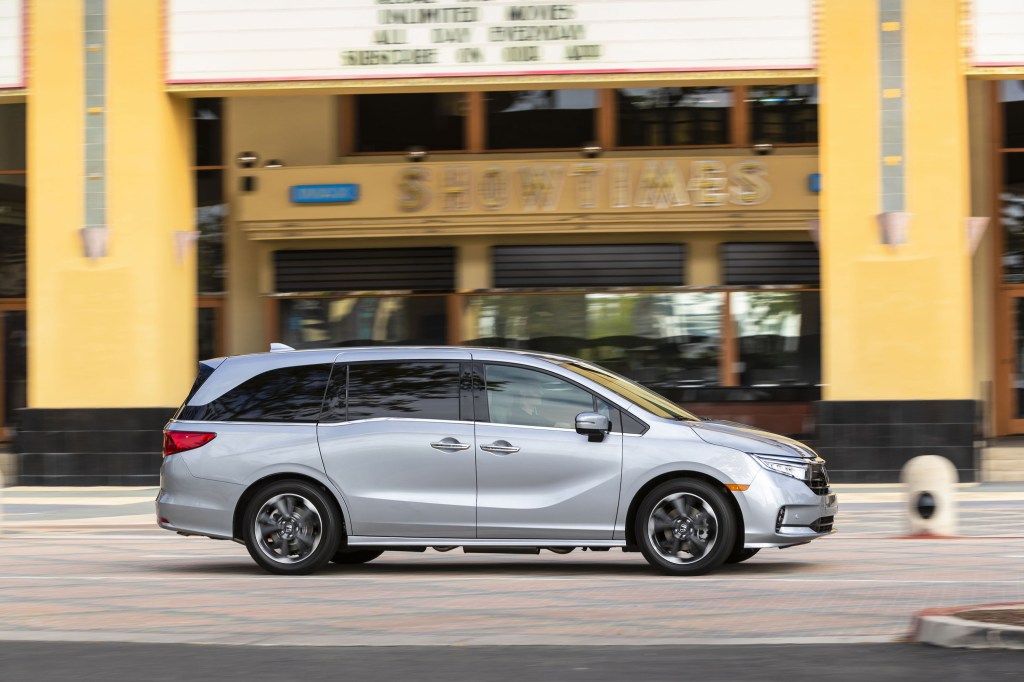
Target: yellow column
(117, 331)
(897, 319)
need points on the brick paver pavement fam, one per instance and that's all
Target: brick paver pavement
(76, 569)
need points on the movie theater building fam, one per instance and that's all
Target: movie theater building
(804, 215)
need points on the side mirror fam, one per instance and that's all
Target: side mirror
(593, 425)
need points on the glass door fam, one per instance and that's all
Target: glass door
(1010, 364)
(12, 369)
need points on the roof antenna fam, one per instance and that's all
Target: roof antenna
(280, 348)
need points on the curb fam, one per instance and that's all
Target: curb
(942, 627)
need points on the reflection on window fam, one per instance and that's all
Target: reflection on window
(211, 212)
(12, 236)
(14, 364)
(12, 201)
(286, 394)
(783, 113)
(1011, 94)
(524, 397)
(666, 340)
(206, 117)
(540, 119)
(411, 390)
(779, 337)
(662, 117)
(393, 123)
(363, 321)
(1012, 217)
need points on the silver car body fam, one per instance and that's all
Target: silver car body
(420, 482)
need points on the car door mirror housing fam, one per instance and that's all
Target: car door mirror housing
(593, 425)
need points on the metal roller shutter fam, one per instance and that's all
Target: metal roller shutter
(589, 265)
(759, 263)
(418, 269)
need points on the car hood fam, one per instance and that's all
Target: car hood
(750, 439)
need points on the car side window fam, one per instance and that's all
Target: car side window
(284, 394)
(525, 397)
(410, 390)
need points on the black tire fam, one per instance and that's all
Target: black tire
(291, 528)
(355, 556)
(741, 554)
(685, 527)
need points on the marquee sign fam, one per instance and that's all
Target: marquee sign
(12, 48)
(273, 40)
(997, 27)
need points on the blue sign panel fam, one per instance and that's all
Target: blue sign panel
(814, 182)
(324, 194)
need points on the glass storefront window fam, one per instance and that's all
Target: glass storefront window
(12, 201)
(207, 123)
(1012, 217)
(778, 337)
(663, 340)
(363, 321)
(783, 114)
(1011, 95)
(540, 119)
(211, 212)
(394, 123)
(12, 137)
(664, 117)
(14, 364)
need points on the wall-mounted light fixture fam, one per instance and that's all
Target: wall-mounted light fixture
(184, 242)
(894, 227)
(976, 226)
(416, 154)
(762, 148)
(94, 241)
(591, 150)
(247, 183)
(247, 159)
(274, 163)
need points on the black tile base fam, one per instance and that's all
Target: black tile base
(90, 446)
(869, 441)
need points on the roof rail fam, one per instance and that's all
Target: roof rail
(280, 348)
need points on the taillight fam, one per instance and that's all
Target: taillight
(179, 441)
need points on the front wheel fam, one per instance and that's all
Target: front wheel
(685, 527)
(291, 528)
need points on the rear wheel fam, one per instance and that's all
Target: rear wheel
(291, 528)
(685, 527)
(356, 556)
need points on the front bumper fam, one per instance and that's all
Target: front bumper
(779, 511)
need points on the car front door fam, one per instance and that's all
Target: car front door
(397, 439)
(537, 477)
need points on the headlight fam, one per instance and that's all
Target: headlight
(786, 467)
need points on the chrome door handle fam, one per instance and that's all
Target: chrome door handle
(449, 444)
(500, 447)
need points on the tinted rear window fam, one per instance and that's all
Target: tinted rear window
(285, 394)
(412, 390)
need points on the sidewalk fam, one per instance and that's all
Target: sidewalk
(33, 507)
(867, 512)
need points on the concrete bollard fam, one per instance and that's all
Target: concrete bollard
(930, 486)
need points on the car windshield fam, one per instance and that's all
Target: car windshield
(630, 390)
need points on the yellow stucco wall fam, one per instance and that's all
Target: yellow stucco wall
(117, 331)
(897, 320)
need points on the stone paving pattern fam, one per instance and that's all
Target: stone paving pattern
(89, 566)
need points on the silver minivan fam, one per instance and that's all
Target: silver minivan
(339, 455)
